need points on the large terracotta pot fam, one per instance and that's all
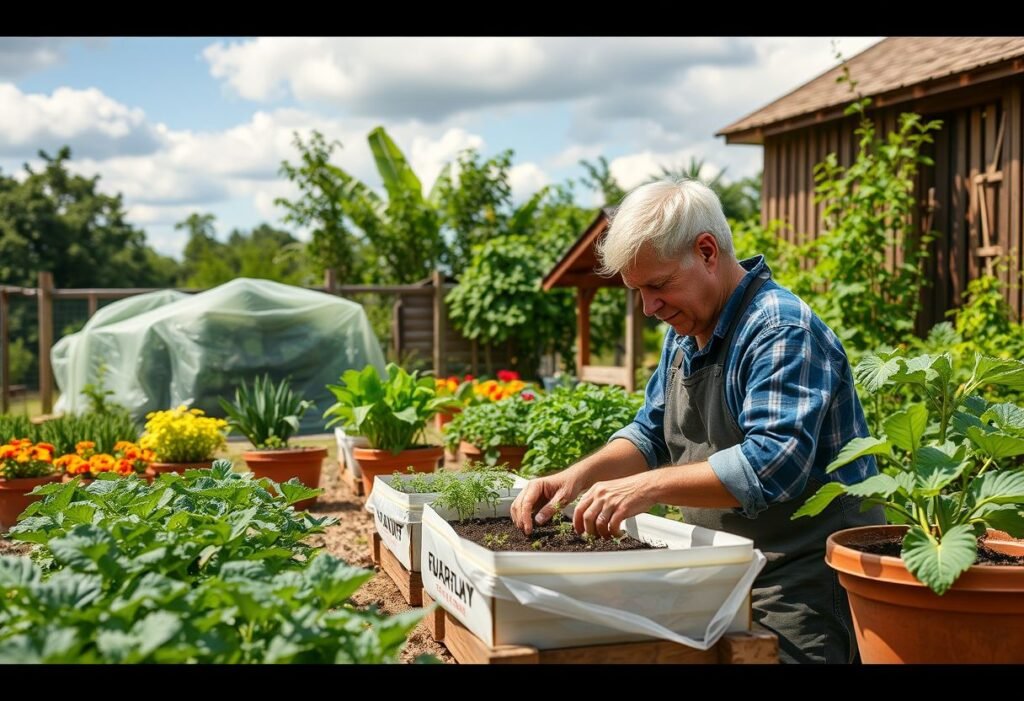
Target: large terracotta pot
(512, 455)
(159, 468)
(384, 462)
(14, 497)
(899, 620)
(282, 465)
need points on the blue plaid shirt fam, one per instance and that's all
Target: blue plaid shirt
(789, 387)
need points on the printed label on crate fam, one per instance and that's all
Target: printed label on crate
(447, 584)
(392, 522)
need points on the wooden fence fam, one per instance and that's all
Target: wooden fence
(420, 326)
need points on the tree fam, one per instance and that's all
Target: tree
(321, 208)
(601, 179)
(53, 220)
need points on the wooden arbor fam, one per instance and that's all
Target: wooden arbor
(577, 269)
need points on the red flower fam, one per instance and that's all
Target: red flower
(528, 396)
(469, 378)
(507, 375)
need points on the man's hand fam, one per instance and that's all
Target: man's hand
(546, 492)
(604, 506)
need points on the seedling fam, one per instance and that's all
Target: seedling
(495, 539)
(464, 495)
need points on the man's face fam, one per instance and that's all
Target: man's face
(687, 298)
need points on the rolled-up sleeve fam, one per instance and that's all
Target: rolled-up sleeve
(789, 383)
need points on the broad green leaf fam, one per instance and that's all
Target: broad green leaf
(996, 445)
(78, 513)
(293, 490)
(916, 370)
(17, 572)
(1007, 518)
(974, 404)
(995, 371)
(942, 367)
(905, 428)
(935, 470)
(906, 481)
(821, 499)
(1005, 416)
(857, 448)
(1001, 487)
(240, 521)
(936, 564)
(877, 485)
(155, 630)
(873, 372)
(82, 548)
(333, 580)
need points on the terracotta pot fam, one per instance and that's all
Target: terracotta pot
(282, 465)
(14, 497)
(159, 468)
(384, 462)
(445, 417)
(900, 620)
(510, 454)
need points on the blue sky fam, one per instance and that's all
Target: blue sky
(181, 125)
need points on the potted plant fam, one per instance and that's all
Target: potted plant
(459, 390)
(390, 413)
(181, 438)
(397, 503)
(943, 582)
(268, 414)
(87, 463)
(24, 465)
(493, 432)
(691, 587)
(570, 422)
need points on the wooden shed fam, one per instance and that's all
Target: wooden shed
(972, 197)
(577, 269)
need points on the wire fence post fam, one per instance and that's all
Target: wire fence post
(45, 341)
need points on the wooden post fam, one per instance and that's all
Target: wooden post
(330, 281)
(440, 323)
(45, 341)
(634, 339)
(5, 351)
(584, 296)
(93, 305)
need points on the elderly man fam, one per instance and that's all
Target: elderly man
(752, 399)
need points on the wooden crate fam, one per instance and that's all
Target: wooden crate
(434, 621)
(410, 584)
(355, 484)
(757, 646)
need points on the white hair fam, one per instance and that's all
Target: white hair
(670, 214)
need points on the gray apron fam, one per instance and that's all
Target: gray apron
(797, 596)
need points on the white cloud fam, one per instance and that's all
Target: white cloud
(96, 125)
(525, 179)
(434, 77)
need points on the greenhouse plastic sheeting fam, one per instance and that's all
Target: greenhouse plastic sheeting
(167, 348)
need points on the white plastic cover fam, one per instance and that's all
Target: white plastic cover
(167, 348)
(691, 592)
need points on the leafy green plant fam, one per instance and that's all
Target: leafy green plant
(205, 567)
(569, 423)
(99, 402)
(499, 300)
(481, 487)
(390, 413)
(946, 460)
(65, 432)
(869, 209)
(12, 426)
(267, 414)
(490, 425)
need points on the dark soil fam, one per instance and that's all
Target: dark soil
(500, 534)
(986, 556)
